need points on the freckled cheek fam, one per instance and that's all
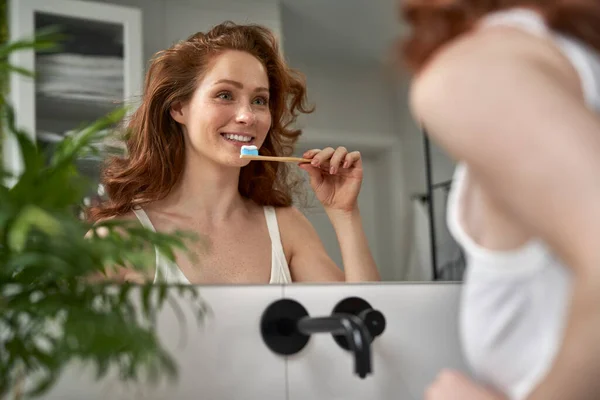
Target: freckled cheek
(265, 123)
(218, 117)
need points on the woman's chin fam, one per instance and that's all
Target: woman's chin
(240, 163)
(234, 162)
(227, 159)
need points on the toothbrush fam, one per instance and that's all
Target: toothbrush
(251, 153)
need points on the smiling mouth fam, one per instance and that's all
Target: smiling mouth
(235, 138)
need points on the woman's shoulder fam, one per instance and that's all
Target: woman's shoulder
(293, 224)
(482, 60)
(288, 213)
(102, 231)
(128, 216)
(497, 45)
(290, 218)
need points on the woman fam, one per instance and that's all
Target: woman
(203, 99)
(511, 89)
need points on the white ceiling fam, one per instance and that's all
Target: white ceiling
(355, 30)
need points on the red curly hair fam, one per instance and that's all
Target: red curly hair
(155, 144)
(436, 22)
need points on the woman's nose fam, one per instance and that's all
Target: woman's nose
(245, 115)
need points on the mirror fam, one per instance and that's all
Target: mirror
(361, 103)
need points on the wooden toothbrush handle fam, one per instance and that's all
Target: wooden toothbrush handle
(280, 159)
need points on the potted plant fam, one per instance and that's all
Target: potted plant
(50, 312)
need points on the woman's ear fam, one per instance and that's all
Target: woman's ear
(178, 112)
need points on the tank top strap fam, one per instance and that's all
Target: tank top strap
(143, 218)
(280, 272)
(146, 223)
(584, 59)
(524, 18)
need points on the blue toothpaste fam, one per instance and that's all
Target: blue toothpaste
(249, 151)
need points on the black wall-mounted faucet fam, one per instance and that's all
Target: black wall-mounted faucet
(354, 331)
(373, 319)
(286, 328)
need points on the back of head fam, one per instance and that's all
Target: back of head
(155, 142)
(436, 22)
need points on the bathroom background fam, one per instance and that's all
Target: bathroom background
(360, 97)
(344, 51)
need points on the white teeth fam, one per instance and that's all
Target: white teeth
(238, 138)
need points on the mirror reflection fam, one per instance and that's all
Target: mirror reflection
(371, 209)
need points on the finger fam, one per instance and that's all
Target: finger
(338, 156)
(351, 159)
(314, 173)
(322, 156)
(310, 153)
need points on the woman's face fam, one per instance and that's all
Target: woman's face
(229, 109)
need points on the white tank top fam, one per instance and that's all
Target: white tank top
(514, 303)
(169, 272)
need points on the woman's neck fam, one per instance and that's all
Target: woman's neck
(205, 190)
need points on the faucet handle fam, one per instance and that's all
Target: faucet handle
(373, 319)
(278, 327)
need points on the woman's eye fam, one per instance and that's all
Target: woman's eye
(224, 96)
(261, 101)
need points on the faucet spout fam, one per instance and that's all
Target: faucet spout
(352, 327)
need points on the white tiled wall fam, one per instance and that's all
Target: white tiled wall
(226, 358)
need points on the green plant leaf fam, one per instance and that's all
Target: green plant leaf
(45, 39)
(42, 386)
(12, 68)
(31, 217)
(81, 142)
(46, 261)
(32, 160)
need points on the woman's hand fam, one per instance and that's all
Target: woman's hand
(335, 176)
(452, 385)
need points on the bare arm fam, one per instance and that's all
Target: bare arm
(359, 264)
(310, 262)
(514, 114)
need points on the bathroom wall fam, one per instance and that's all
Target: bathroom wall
(361, 101)
(226, 356)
